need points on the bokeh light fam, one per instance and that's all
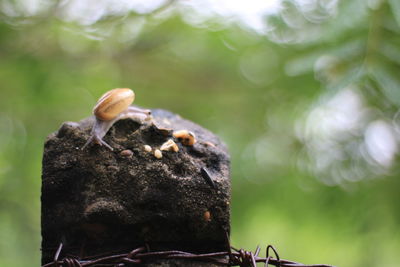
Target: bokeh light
(304, 92)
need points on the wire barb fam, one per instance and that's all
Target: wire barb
(231, 257)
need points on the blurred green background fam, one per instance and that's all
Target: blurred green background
(305, 93)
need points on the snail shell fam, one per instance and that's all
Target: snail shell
(113, 103)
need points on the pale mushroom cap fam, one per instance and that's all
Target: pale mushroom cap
(147, 148)
(186, 137)
(170, 145)
(158, 153)
(112, 103)
(207, 216)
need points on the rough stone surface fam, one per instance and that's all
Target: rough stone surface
(96, 200)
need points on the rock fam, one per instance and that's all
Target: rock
(98, 201)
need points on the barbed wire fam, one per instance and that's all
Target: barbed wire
(140, 255)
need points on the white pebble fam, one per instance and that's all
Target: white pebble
(147, 148)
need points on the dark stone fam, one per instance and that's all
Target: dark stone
(97, 201)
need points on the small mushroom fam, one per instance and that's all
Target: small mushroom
(209, 144)
(186, 137)
(170, 145)
(126, 153)
(207, 216)
(147, 148)
(157, 154)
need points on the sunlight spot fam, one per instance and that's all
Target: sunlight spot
(381, 143)
(250, 13)
(344, 140)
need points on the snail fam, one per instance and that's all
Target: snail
(113, 106)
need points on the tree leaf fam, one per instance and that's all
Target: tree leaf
(389, 84)
(395, 6)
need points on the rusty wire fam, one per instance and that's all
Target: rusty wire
(232, 257)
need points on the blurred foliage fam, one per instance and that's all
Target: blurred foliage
(309, 108)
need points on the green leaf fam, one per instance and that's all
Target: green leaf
(395, 5)
(388, 82)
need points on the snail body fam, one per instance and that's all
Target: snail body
(113, 106)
